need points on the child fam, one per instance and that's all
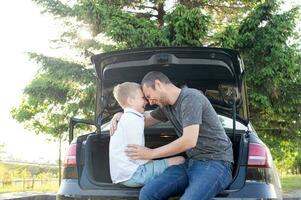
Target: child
(130, 130)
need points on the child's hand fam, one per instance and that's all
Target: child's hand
(114, 121)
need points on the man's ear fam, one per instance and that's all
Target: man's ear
(158, 85)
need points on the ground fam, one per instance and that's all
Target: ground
(294, 194)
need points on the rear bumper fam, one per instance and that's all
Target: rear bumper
(257, 190)
(70, 189)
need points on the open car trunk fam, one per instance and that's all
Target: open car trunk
(218, 73)
(95, 155)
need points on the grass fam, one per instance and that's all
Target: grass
(46, 188)
(291, 182)
(24, 187)
(20, 177)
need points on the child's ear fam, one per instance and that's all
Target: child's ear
(129, 101)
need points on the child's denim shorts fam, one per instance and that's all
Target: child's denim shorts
(146, 172)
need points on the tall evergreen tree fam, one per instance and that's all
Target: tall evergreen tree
(266, 40)
(64, 87)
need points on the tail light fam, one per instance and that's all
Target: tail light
(70, 158)
(70, 167)
(259, 156)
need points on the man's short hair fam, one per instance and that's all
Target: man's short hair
(125, 90)
(149, 79)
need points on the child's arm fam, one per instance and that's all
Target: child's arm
(134, 132)
(148, 121)
(114, 121)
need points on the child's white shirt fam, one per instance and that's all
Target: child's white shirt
(130, 130)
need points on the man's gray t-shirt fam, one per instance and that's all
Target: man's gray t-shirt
(191, 108)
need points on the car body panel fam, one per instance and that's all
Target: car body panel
(203, 68)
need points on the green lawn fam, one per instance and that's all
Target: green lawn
(291, 182)
(48, 187)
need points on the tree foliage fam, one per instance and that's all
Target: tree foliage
(55, 94)
(273, 75)
(263, 34)
(64, 87)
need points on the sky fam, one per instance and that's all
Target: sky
(23, 29)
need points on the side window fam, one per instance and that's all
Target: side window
(228, 123)
(105, 127)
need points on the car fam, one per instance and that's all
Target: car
(218, 73)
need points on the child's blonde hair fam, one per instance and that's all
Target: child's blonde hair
(125, 90)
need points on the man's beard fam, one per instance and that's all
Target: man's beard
(163, 101)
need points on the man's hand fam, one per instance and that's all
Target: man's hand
(137, 152)
(114, 121)
(187, 141)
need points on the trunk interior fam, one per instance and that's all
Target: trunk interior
(95, 155)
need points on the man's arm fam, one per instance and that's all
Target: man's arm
(187, 141)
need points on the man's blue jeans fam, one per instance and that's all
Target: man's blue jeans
(195, 179)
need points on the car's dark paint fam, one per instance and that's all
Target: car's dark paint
(167, 56)
(90, 178)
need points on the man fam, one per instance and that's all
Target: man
(207, 170)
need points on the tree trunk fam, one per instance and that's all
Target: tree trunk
(161, 14)
(60, 159)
